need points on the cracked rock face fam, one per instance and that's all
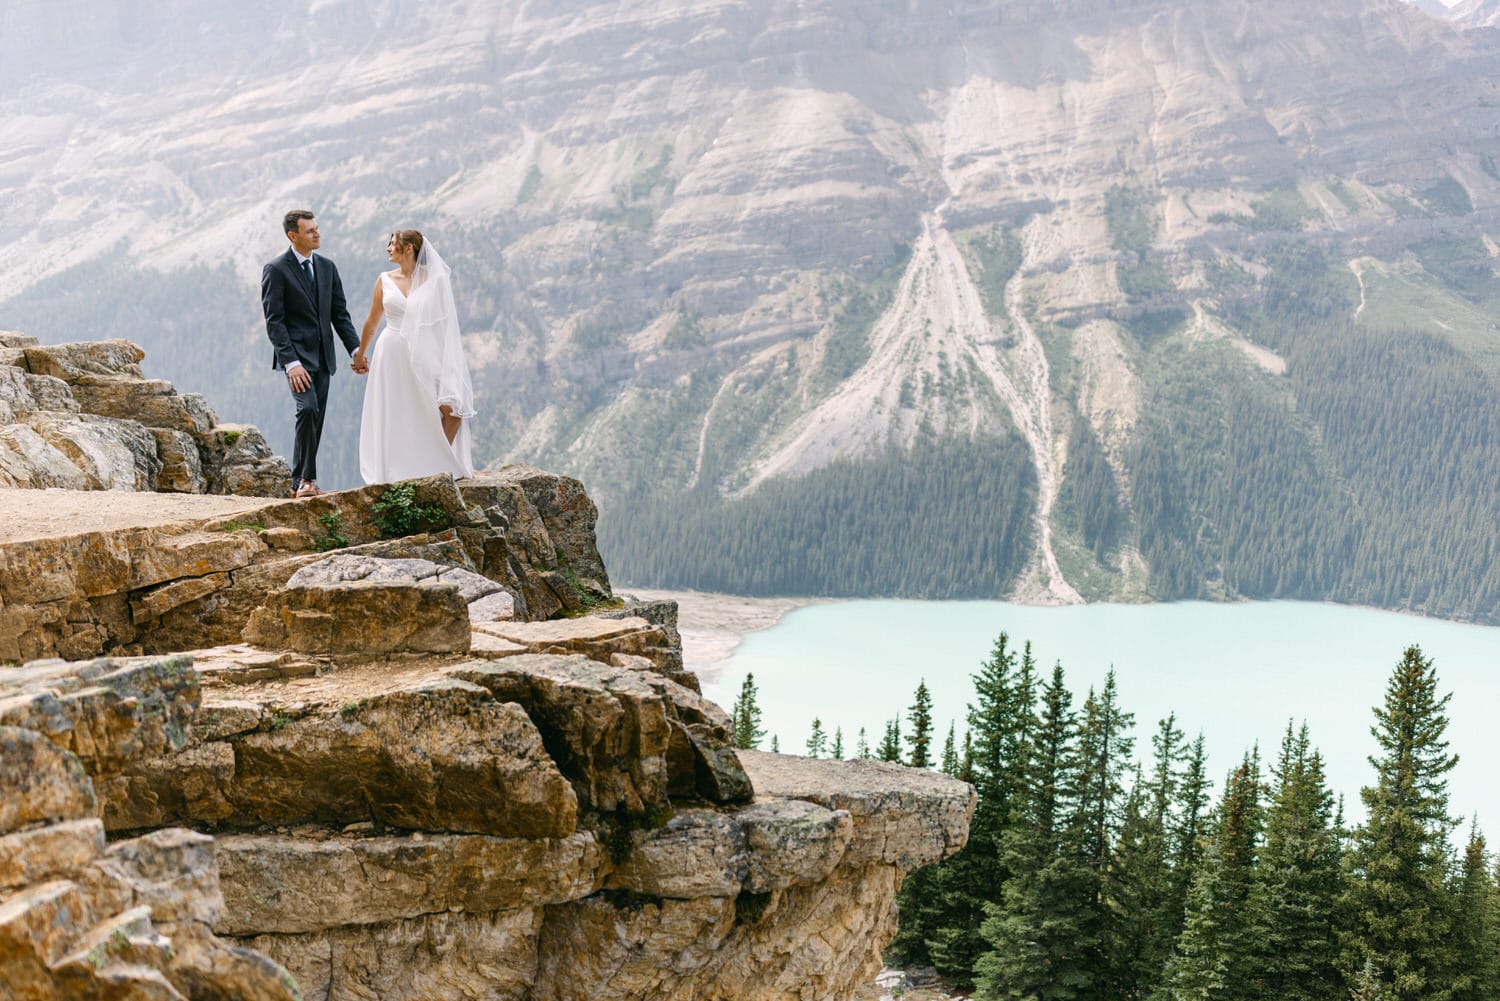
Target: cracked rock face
(79, 918)
(426, 827)
(391, 794)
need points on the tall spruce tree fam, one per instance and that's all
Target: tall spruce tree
(1001, 721)
(1218, 951)
(1399, 908)
(837, 748)
(1036, 931)
(1300, 878)
(1105, 751)
(745, 716)
(1475, 943)
(1146, 898)
(817, 740)
(949, 763)
(920, 717)
(890, 744)
(1187, 831)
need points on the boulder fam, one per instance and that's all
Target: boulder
(442, 756)
(38, 854)
(362, 617)
(27, 460)
(627, 740)
(607, 730)
(907, 817)
(108, 713)
(70, 362)
(765, 846)
(181, 463)
(44, 784)
(237, 460)
(152, 402)
(112, 454)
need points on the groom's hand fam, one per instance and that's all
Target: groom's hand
(300, 381)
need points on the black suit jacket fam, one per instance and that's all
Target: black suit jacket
(301, 326)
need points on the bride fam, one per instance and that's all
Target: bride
(419, 403)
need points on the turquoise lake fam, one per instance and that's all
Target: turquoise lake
(1235, 672)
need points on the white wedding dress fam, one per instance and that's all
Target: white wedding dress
(417, 362)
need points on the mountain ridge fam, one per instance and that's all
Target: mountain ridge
(703, 247)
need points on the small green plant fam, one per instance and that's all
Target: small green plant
(279, 721)
(333, 525)
(349, 709)
(230, 437)
(397, 513)
(240, 526)
(591, 598)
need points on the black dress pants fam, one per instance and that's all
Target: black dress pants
(312, 403)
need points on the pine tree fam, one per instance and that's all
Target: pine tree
(1187, 831)
(1001, 720)
(1105, 750)
(1217, 953)
(1146, 897)
(920, 717)
(1474, 927)
(837, 751)
(949, 764)
(890, 744)
(1300, 878)
(1036, 930)
(862, 746)
(817, 741)
(745, 716)
(775, 744)
(1398, 900)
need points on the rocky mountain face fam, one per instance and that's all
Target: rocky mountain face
(707, 247)
(400, 742)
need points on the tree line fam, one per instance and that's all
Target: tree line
(1089, 875)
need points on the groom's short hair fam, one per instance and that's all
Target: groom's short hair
(293, 220)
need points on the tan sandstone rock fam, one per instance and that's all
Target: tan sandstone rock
(277, 884)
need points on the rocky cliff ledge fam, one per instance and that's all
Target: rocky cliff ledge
(404, 745)
(83, 416)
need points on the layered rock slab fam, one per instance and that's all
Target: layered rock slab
(80, 918)
(155, 580)
(440, 755)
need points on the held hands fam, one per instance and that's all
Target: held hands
(359, 363)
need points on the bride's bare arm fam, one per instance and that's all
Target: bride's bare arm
(372, 323)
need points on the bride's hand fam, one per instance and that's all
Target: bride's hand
(359, 363)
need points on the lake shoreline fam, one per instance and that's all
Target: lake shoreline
(714, 625)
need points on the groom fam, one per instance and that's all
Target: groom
(303, 300)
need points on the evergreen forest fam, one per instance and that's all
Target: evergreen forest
(1094, 872)
(897, 524)
(1367, 474)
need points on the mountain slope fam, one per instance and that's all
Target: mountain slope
(709, 247)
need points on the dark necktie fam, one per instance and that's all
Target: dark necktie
(307, 270)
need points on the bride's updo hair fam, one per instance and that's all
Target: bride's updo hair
(409, 238)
